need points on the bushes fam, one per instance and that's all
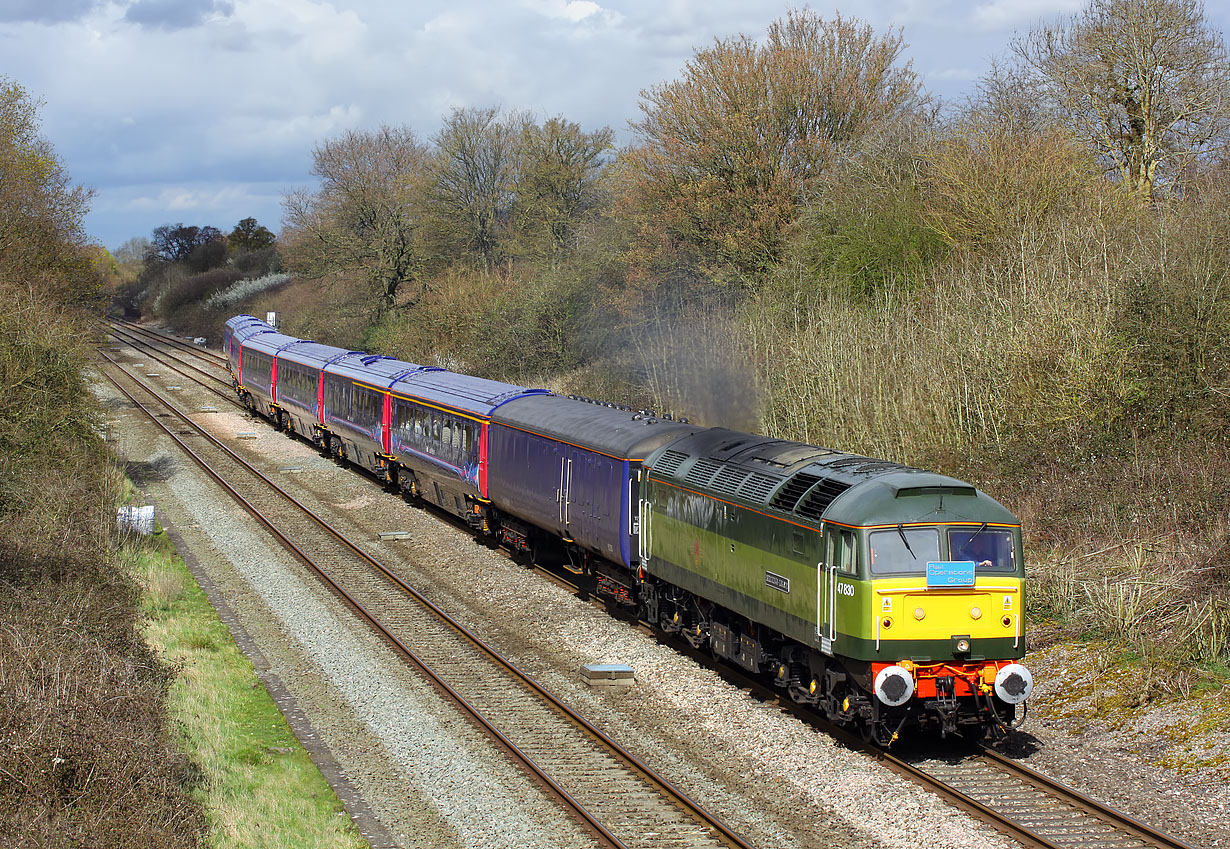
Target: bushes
(83, 743)
(193, 289)
(503, 326)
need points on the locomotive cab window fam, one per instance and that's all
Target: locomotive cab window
(903, 551)
(847, 561)
(990, 549)
(843, 551)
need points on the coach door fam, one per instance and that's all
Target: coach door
(565, 483)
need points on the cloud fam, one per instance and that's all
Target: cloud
(574, 11)
(46, 11)
(177, 14)
(1007, 14)
(961, 74)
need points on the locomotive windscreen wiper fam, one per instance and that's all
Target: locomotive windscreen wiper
(965, 545)
(901, 532)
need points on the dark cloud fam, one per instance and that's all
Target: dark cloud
(46, 11)
(176, 14)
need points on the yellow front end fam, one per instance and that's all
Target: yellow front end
(911, 621)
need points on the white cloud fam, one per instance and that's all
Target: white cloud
(201, 200)
(574, 11)
(1007, 14)
(961, 74)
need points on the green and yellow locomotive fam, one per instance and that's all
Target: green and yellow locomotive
(886, 596)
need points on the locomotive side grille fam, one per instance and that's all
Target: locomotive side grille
(669, 462)
(789, 494)
(757, 487)
(728, 480)
(702, 471)
(819, 499)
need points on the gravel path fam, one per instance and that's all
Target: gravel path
(434, 781)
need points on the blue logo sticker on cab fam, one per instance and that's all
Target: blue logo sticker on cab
(950, 573)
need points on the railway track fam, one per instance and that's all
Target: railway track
(1027, 805)
(620, 799)
(1018, 802)
(216, 378)
(173, 341)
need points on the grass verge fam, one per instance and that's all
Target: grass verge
(259, 788)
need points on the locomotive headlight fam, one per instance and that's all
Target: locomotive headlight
(1014, 683)
(975, 613)
(919, 613)
(962, 646)
(894, 686)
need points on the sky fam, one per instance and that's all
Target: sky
(205, 112)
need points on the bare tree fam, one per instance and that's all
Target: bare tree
(727, 152)
(473, 173)
(364, 218)
(558, 182)
(1145, 82)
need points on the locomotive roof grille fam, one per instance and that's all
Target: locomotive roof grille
(729, 479)
(669, 462)
(789, 494)
(867, 465)
(703, 471)
(757, 487)
(819, 499)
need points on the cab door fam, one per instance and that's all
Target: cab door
(840, 559)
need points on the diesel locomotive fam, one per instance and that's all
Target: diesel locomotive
(885, 596)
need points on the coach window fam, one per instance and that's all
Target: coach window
(447, 435)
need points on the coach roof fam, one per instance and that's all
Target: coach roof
(375, 370)
(475, 395)
(597, 427)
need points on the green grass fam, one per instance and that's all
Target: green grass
(258, 785)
